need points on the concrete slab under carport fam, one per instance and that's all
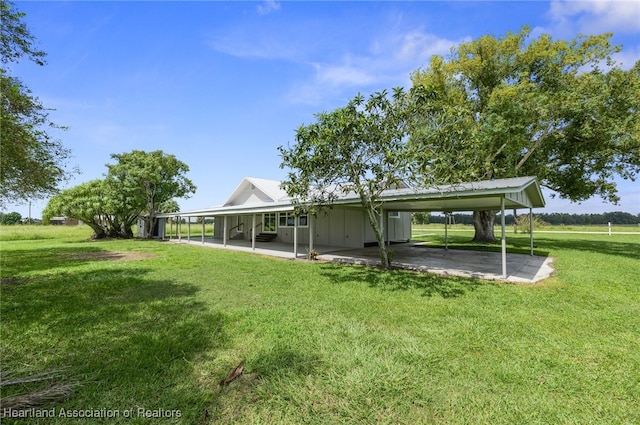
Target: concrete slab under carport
(521, 268)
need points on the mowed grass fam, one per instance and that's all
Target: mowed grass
(157, 325)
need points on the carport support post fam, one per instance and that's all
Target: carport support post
(295, 237)
(504, 239)
(189, 230)
(224, 232)
(202, 229)
(179, 228)
(310, 232)
(531, 229)
(446, 230)
(253, 232)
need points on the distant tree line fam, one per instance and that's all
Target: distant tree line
(617, 217)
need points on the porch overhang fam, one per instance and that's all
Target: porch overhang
(519, 192)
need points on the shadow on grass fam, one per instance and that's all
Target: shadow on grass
(608, 247)
(131, 341)
(515, 245)
(401, 280)
(39, 259)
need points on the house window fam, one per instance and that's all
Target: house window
(288, 219)
(394, 214)
(269, 223)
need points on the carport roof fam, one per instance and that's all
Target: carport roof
(518, 192)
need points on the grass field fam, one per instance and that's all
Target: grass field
(145, 328)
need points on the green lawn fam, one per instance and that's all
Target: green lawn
(150, 325)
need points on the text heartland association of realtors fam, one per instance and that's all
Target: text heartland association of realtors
(139, 412)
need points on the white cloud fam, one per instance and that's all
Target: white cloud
(261, 48)
(417, 46)
(268, 7)
(387, 63)
(337, 75)
(596, 16)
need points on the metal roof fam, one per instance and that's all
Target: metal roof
(518, 192)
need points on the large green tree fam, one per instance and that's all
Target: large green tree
(148, 180)
(138, 185)
(357, 149)
(34, 162)
(87, 202)
(516, 105)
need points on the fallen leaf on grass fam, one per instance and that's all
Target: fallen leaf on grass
(233, 375)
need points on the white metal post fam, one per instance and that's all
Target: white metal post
(189, 229)
(295, 237)
(253, 232)
(203, 229)
(446, 230)
(531, 229)
(504, 239)
(224, 232)
(310, 218)
(179, 227)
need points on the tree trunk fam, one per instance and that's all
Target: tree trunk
(372, 214)
(149, 226)
(483, 224)
(98, 232)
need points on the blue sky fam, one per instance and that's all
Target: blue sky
(222, 84)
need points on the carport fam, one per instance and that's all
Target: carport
(491, 195)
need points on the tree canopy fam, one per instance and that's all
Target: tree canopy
(148, 180)
(138, 185)
(563, 111)
(34, 162)
(358, 148)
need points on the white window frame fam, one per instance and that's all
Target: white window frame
(264, 222)
(289, 218)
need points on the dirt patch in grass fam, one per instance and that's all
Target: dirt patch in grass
(12, 280)
(110, 255)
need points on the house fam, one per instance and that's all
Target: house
(258, 210)
(260, 207)
(344, 225)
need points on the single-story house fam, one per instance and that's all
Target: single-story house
(258, 210)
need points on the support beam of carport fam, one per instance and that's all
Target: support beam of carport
(295, 238)
(503, 238)
(531, 229)
(311, 232)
